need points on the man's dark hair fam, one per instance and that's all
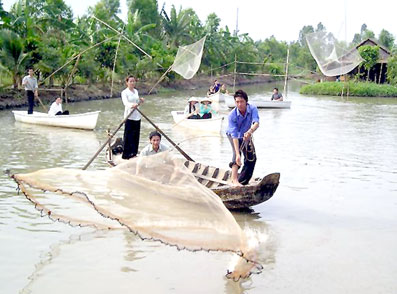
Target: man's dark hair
(242, 94)
(153, 134)
(276, 89)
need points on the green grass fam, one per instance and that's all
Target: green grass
(361, 89)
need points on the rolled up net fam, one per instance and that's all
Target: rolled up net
(188, 59)
(331, 58)
(155, 197)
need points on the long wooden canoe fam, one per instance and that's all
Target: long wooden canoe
(219, 181)
(85, 121)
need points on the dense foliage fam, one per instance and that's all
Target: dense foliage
(45, 35)
(361, 89)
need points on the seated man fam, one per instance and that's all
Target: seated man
(155, 145)
(56, 108)
(276, 95)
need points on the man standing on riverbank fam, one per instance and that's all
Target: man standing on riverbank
(243, 121)
(30, 84)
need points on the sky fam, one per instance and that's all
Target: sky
(280, 18)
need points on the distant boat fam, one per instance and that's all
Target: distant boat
(260, 104)
(219, 181)
(212, 125)
(86, 121)
(219, 97)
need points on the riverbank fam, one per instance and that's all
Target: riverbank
(360, 89)
(12, 98)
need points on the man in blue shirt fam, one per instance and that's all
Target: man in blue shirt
(243, 121)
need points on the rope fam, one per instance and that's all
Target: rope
(248, 147)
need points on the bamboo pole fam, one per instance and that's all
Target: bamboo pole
(235, 70)
(110, 27)
(114, 64)
(71, 77)
(165, 136)
(161, 78)
(76, 56)
(286, 75)
(109, 138)
(380, 72)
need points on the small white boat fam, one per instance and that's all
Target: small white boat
(219, 97)
(212, 125)
(260, 104)
(86, 121)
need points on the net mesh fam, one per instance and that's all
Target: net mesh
(156, 197)
(188, 59)
(332, 58)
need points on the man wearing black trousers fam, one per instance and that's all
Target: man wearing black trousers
(30, 84)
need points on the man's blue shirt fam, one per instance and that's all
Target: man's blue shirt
(239, 124)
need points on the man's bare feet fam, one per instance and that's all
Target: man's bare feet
(236, 184)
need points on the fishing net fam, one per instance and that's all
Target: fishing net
(155, 197)
(332, 58)
(188, 59)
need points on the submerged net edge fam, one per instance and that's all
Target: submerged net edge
(79, 223)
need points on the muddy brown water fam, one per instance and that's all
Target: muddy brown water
(331, 226)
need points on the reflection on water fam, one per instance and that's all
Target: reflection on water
(333, 214)
(78, 264)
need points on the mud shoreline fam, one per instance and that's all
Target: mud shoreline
(10, 98)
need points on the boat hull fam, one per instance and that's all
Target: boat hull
(261, 104)
(219, 97)
(212, 125)
(85, 121)
(219, 181)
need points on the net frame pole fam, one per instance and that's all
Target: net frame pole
(286, 75)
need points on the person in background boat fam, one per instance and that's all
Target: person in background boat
(132, 128)
(206, 110)
(155, 145)
(223, 89)
(216, 86)
(210, 91)
(56, 108)
(31, 89)
(192, 108)
(243, 122)
(276, 95)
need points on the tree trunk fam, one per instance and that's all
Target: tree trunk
(368, 75)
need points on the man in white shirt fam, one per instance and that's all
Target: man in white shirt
(155, 145)
(30, 84)
(56, 108)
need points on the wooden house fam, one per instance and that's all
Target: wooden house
(378, 72)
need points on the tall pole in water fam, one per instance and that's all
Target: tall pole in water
(286, 75)
(236, 31)
(234, 73)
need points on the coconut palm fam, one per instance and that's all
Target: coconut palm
(12, 56)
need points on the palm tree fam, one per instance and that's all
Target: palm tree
(12, 57)
(176, 28)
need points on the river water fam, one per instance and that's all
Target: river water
(331, 226)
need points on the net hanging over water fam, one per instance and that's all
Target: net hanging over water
(332, 59)
(155, 197)
(188, 59)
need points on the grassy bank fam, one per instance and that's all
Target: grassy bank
(361, 89)
(15, 98)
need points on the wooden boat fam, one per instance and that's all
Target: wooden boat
(86, 121)
(260, 104)
(219, 181)
(212, 125)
